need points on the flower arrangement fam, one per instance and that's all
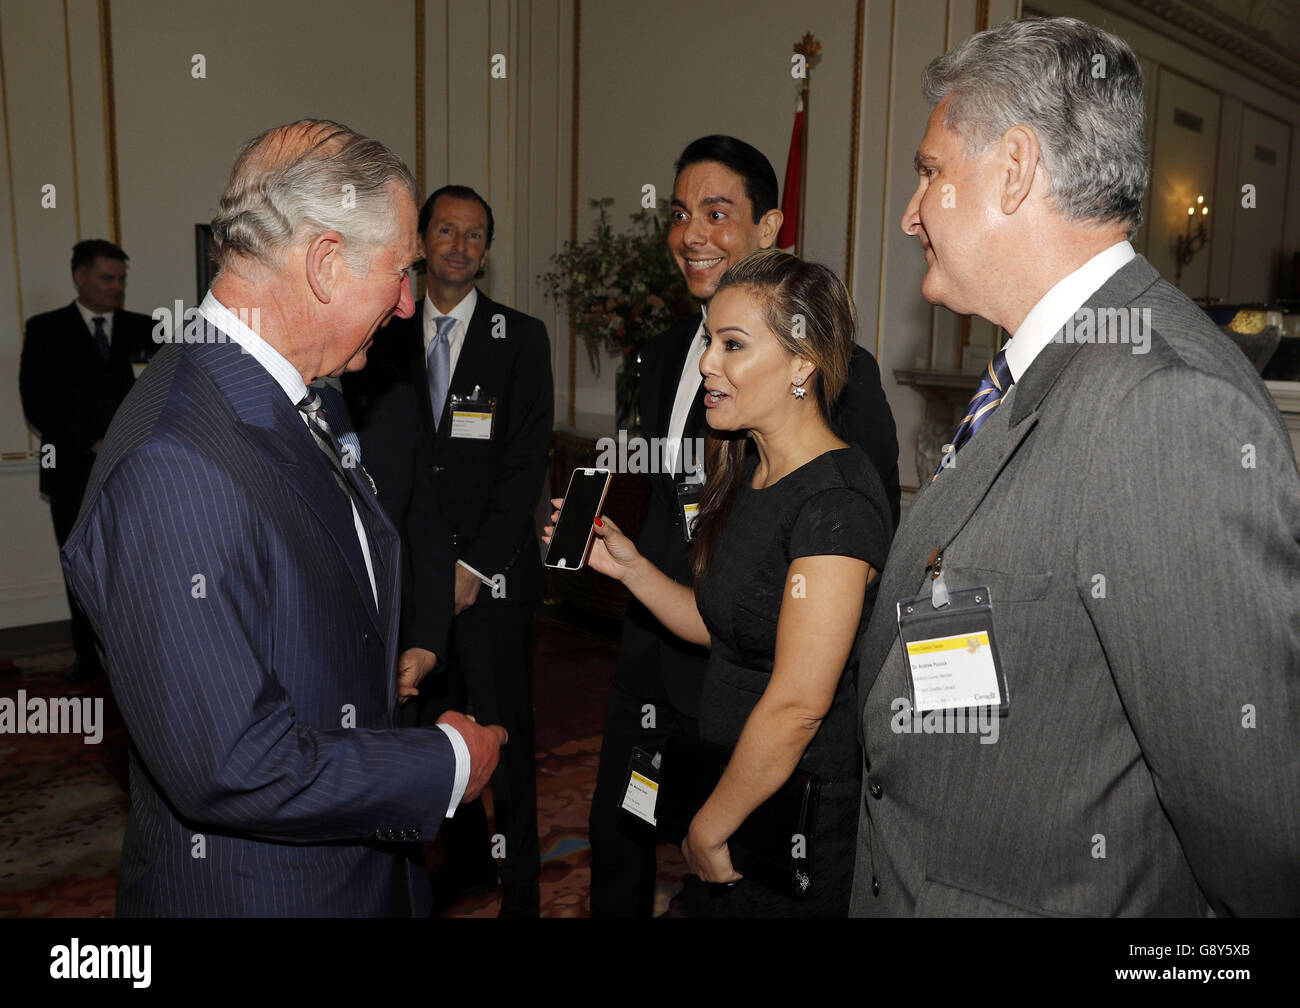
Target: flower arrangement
(622, 289)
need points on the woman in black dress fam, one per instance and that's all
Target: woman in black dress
(788, 544)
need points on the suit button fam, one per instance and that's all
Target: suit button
(365, 636)
(875, 886)
(876, 790)
(438, 469)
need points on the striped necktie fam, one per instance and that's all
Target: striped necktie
(318, 424)
(993, 386)
(335, 405)
(439, 361)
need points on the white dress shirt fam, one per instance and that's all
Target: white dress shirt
(1059, 304)
(289, 379)
(89, 316)
(687, 385)
(462, 313)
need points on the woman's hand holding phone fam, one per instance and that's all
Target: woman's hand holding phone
(612, 553)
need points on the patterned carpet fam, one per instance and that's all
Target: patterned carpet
(63, 803)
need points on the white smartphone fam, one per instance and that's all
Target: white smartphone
(571, 541)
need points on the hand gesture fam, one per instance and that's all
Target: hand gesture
(612, 554)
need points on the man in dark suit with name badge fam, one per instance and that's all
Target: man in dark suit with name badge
(483, 374)
(78, 364)
(724, 207)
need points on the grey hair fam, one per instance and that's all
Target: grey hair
(332, 179)
(1078, 87)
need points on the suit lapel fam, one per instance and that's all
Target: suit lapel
(943, 508)
(469, 365)
(940, 511)
(672, 380)
(271, 424)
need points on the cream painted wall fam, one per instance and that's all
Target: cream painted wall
(1249, 114)
(176, 135)
(897, 324)
(1183, 160)
(52, 103)
(507, 137)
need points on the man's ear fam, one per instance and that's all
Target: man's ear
(1019, 166)
(324, 261)
(482, 266)
(769, 226)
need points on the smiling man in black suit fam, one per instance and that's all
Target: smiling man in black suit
(77, 367)
(483, 375)
(724, 206)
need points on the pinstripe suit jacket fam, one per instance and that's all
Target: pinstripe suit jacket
(218, 561)
(1150, 762)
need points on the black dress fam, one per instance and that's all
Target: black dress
(832, 505)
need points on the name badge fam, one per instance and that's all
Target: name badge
(642, 785)
(137, 368)
(948, 641)
(471, 417)
(690, 490)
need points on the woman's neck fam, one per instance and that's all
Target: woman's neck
(794, 443)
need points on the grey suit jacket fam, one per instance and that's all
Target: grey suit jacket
(1137, 520)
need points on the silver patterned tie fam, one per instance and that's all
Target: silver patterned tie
(439, 361)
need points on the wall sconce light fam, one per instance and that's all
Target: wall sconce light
(1191, 242)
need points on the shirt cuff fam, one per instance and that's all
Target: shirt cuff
(461, 750)
(477, 573)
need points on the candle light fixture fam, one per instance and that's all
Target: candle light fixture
(1190, 242)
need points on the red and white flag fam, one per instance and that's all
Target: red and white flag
(793, 181)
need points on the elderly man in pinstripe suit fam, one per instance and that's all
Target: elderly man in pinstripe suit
(245, 583)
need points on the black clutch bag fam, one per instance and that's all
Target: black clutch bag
(773, 847)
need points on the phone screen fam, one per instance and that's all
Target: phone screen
(573, 531)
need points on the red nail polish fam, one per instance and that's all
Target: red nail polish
(599, 523)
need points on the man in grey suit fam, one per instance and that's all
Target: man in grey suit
(1124, 492)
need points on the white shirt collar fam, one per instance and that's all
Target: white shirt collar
(462, 313)
(284, 373)
(1060, 303)
(88, 316)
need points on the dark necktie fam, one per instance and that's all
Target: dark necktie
(101, 338)
(439, 360)
(335, 405)
(993, 386)
(318, 424)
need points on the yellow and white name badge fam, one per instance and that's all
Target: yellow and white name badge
(951, 650)
(471, 417)
(642, 792)
(949, 673)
